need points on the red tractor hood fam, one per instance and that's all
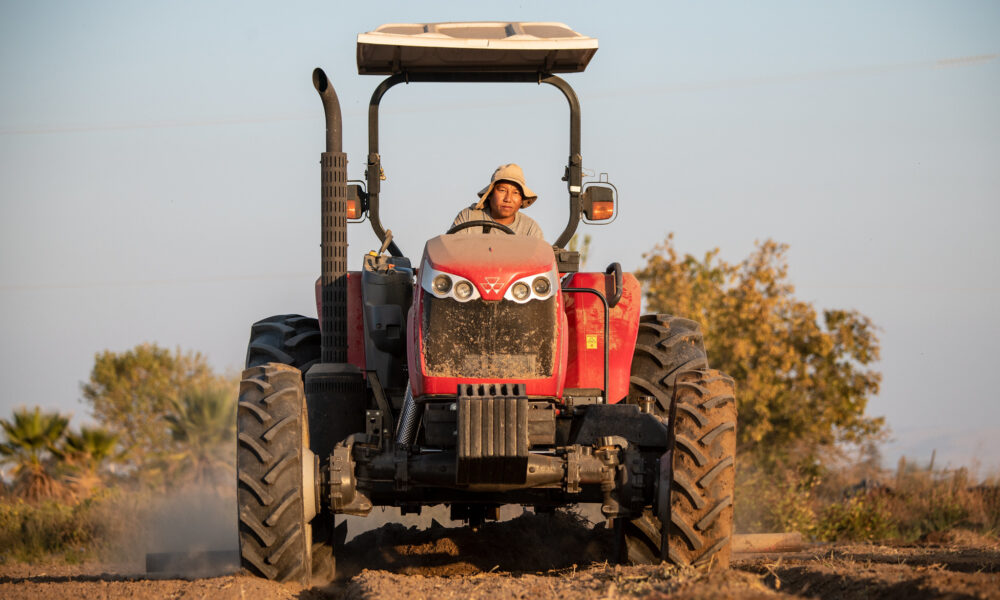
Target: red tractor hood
(491, 262)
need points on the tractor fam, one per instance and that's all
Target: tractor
(494, 373)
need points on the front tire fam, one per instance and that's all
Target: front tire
(701, 482)
(275, 473)
(704, 470)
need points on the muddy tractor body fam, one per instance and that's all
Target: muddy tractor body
(492, 372)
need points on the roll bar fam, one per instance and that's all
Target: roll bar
(574, 168)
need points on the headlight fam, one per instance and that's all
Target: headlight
(442, 284)
(447, 285)
(463, 290)
(541, 286)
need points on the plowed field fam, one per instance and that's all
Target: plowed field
(552, 557)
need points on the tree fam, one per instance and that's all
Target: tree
(31, 447)
(89, 448)
(202, 426)
(85, 453)
(132, 392)
(802, 381)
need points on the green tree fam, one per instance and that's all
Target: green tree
(202, 426)
(90, 448)
(85, 453)
(31, 446)
(803, 381)
(132, 392)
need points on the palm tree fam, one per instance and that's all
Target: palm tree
(85, 453)
(32, 448)
(202, 425)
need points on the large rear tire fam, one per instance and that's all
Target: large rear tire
(666, 345)
(288, 339)
(275, 475)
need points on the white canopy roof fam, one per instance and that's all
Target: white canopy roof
(484, 46)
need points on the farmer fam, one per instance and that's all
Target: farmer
(501, 202)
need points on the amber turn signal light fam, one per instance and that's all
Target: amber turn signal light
(602, 211)
(353, 209)
(598, 202)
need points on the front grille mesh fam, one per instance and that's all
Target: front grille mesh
(491, 340)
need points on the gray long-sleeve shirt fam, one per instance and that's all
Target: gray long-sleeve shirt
(522, 225)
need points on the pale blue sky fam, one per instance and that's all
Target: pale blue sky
(158, 170)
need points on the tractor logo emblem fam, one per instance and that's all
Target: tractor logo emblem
(492, 284)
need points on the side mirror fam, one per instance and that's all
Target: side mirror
(600, 203)
(357, 202)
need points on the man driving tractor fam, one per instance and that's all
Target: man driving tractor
(501, 201)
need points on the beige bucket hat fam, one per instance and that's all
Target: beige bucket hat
(512, 173)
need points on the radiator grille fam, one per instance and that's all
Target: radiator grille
(494, 340)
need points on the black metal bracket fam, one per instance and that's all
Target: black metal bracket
(665, 470)
(382, 401)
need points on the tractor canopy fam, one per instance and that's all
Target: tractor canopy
(491, 46)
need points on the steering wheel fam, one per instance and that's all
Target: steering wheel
(481, 223)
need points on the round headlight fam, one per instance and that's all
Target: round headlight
(541, 286)
(520, 290)
(442, 284)
(463, 289)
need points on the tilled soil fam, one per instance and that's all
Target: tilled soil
(549, 557)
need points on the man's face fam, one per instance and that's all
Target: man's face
(505, 200)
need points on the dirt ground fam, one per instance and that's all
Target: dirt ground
(518, 560)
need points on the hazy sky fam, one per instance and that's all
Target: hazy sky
(159, 176)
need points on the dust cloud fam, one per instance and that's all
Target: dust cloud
(190, 532)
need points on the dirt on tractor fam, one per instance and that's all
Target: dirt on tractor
(519, 559)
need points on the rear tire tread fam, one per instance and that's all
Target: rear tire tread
(289, 339)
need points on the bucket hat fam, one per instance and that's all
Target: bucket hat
(513, 174)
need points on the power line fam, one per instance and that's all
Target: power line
(961, 61)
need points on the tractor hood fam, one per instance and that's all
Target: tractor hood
(491, 262)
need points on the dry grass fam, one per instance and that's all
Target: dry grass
(860, 503)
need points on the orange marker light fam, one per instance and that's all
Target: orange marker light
(602, 211)
(353, 209)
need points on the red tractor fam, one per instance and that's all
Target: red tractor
(494, 373)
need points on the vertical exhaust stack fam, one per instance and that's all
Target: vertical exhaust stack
(333, 277)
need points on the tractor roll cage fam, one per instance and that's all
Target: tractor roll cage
(574, 168)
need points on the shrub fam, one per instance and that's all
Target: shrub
(769, 500)
(866, 518)
(29, 532)
(856, 502)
